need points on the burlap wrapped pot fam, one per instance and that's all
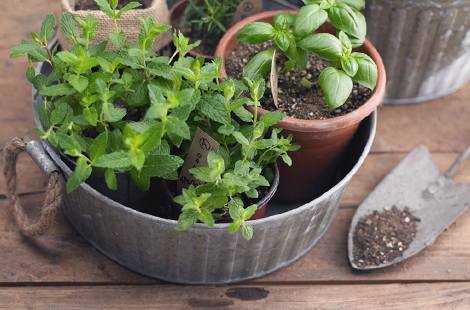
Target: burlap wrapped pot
(129, 23)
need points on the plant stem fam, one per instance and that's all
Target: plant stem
(50, 55)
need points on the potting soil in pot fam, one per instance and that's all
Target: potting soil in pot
(91, 4)
(295, 100)
(383, 237)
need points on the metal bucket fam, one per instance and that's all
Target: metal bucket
(151, 246)
(425, 46)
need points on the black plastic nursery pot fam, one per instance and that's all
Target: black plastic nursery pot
(169, 188)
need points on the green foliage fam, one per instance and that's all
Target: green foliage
(241, 165)
(211, 18)
(295, 36)
(90, 91)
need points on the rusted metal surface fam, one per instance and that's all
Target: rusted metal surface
(433, 198)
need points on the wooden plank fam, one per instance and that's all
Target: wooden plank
(440, 124)
(63, 256)
(59, 256)
(19, 18)
(389, 296)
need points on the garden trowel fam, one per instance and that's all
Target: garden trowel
(416, 183)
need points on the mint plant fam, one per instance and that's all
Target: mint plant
(125, 110)
(90, 93)
(294, 36)
(247, 147)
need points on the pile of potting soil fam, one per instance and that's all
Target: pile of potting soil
(383, 237)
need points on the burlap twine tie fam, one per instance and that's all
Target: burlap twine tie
(54, 192)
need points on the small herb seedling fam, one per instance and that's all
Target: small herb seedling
(246, 149)
(211, 18)
(294, 35)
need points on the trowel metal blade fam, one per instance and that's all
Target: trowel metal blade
(406, 186)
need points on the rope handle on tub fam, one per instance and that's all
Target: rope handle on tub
(54, 192)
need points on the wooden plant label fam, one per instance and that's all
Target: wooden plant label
(273, 78)
(247, 8)
(197, 157)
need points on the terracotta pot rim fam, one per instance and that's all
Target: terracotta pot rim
(302, 125)
(173, 15)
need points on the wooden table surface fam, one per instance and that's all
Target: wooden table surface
(62, 271)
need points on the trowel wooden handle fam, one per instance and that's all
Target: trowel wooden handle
(457, 162)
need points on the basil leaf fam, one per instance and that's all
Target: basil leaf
(336, 86)
(308, 19)
(367, 72)
(343, 18)
(256, 33)
(324, 45)
(260, 64)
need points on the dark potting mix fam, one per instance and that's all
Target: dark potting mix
(295, 100)
(91, 4)
(383, 237)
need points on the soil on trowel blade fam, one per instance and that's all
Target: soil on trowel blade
(383, 237)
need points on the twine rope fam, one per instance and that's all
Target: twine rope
(54, 192)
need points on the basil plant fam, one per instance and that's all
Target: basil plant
(294, 36)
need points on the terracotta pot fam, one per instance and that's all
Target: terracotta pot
(261, 205)
(322, 141)
(176, 11)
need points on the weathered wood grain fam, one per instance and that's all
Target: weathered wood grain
(18, 19)
(440, 124)
(63, 256)
(59, 256)
(454, 296)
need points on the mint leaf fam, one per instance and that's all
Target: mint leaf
(105, 7)
(110, 178)
(271, 118)
(240, 138)
(141, 179)
(154, 136)
(79, 83)
(98, 148)
(69, 27)
(91, 115)
(47, 28)
(159, 165)
(30, 74)
(58, 90)
(247, 231)
(177, 126)
(114, 160)
(118, 39)
(235, 225)
(25, 47)
(213, 106)
(128, 7)
(60, 113)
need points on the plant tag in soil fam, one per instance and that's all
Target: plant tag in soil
(197, 157)
(247, 8)
(273, 79)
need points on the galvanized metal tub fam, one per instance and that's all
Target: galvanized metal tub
(425, 46)
(151, 246)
